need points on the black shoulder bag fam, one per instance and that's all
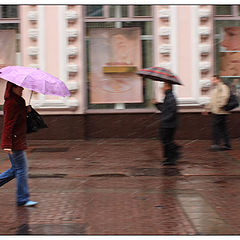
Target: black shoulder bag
(34, 121)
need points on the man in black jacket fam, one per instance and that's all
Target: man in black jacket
(168, 125)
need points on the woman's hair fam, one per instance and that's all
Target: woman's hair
(8, 90)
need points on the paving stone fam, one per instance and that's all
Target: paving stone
(118, 187)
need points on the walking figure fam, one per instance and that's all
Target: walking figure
(14, 142)
(168, 125)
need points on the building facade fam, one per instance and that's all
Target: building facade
(97, 49)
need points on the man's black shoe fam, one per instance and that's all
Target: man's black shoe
(168, 163)
(215, 148)
(226, 148)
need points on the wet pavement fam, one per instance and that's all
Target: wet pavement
(118, 187)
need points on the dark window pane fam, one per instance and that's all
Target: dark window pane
(117, 11)
(10, 11)
(142, 10)
(95, 11)
(145, 26)
(223, 10)
(5, 26)
(239, 10)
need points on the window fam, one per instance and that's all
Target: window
(223, 10)
(8, 11)
(142, 10)
(227, 48)
(9, 40)
(129, 17)
(94, 11)
(117, 11)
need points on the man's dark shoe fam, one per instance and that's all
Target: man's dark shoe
(169, 163)
(215, 148)
(226, 148)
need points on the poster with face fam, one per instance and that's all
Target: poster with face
(7, 54)
(115, 56)
(230, 54)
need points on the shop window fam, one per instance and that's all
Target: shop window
(120, 30)
(227, 50)
(223, 10)
(94, 11)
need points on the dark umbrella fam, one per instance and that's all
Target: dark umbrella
(159, 74)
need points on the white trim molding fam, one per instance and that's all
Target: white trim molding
(205, 83)
(188, 101)
(164, 14)
(72, 51)
(165, 65)
(164, 31)
(165, 49)
(72, 33)
(41, 42)
(204, 49)
(71, 16)
(204, 13)
(72, 68)
(195, 53)
(72, 85)
(33, 16)
(62, 43)
(33, 52)
(34, 65)
(204, 66)
(33, 33)
(58, 104)
(204, 31)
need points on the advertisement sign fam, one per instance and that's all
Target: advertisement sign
(230, 52)
(115, 56)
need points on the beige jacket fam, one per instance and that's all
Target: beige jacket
(218, 99)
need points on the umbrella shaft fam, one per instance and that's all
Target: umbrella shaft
(30, 97)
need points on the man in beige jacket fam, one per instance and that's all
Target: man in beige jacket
(218, 99)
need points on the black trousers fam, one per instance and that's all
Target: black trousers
(170, 149)
(220, 129)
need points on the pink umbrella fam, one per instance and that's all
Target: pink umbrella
(35, 80)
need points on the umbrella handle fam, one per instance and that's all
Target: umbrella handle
(30, 97)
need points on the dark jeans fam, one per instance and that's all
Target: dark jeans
(19, 170)
(170, 149)
(220, 129)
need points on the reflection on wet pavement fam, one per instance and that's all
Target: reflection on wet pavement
(118, 186)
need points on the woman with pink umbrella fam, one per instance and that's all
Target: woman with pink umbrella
(14, 142)
(15, 121)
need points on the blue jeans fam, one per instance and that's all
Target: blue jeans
(19, 170)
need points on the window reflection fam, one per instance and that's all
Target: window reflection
(95, 11)
(223, 10)
(9, 11)
(118, 11)
(142, 10)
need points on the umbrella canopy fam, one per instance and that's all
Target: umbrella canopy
(159, 74)
(35, 80)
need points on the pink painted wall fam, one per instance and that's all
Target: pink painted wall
(52, 40)
(184, 45)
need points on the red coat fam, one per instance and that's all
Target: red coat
(15, 117)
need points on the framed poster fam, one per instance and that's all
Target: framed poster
(115, 56)
(230, 52)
